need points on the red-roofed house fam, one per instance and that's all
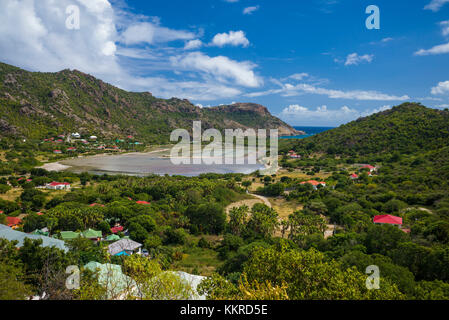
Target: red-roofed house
(13, 222)
(142, 202)
(314, 183)
(96, 204)
(57, 151)
(354, 176)
(58, 185)
(292, 154)
(370, 167)
(116, 229)
(40, 213)
(388, 219)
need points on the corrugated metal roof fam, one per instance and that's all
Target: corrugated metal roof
(122, 245)
(10, 234)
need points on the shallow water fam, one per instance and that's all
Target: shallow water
(141, 164)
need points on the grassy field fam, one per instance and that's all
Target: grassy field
(283, 207)
(12, 194)
(197, 260)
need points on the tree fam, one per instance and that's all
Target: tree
(383, 238)
(237, 219)
(309, 275)
(11, 283)
(137, 232)
(33, 222)
(247, 184)
(152, 283)
(263, 221)
(302, 224)
(273, 190)
(218, 288)
(207, 217)
(177, 236)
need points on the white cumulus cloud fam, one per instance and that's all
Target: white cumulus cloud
(34, 36)
(290, 90)
(436, 5)
(193, 44)
(232, 38)
(438, 49)
(441, 88)
(355, 59)
(250, 10)
(148, 32)
(221, 68)
(322, 115)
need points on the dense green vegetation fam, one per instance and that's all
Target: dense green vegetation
(319, 251)
(405, 129)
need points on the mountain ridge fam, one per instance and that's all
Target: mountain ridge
(35, 104)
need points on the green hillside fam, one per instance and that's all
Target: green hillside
(407, 128)
(36, 104)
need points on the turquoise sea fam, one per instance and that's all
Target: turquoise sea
(310, 131)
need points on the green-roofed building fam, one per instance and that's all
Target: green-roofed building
(38, 232)
(92, 234)
(112, 237)
(69, 235)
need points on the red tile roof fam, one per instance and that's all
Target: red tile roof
(388, 219)
(369, 166)
(313, 182)
(354, 175)
(13, 221)
(143, 202)
(116, 229)
(96, 204)
(54, 184)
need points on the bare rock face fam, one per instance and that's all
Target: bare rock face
(59, 94)
(7, 128)
(10, 79)
(260, 116)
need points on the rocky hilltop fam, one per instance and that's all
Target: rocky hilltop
(35, 104)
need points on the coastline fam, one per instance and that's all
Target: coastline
(61, 165)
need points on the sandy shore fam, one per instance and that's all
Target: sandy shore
(54, 166)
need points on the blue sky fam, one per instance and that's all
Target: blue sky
(310, 62)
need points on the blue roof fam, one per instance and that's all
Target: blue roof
(11, 235)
